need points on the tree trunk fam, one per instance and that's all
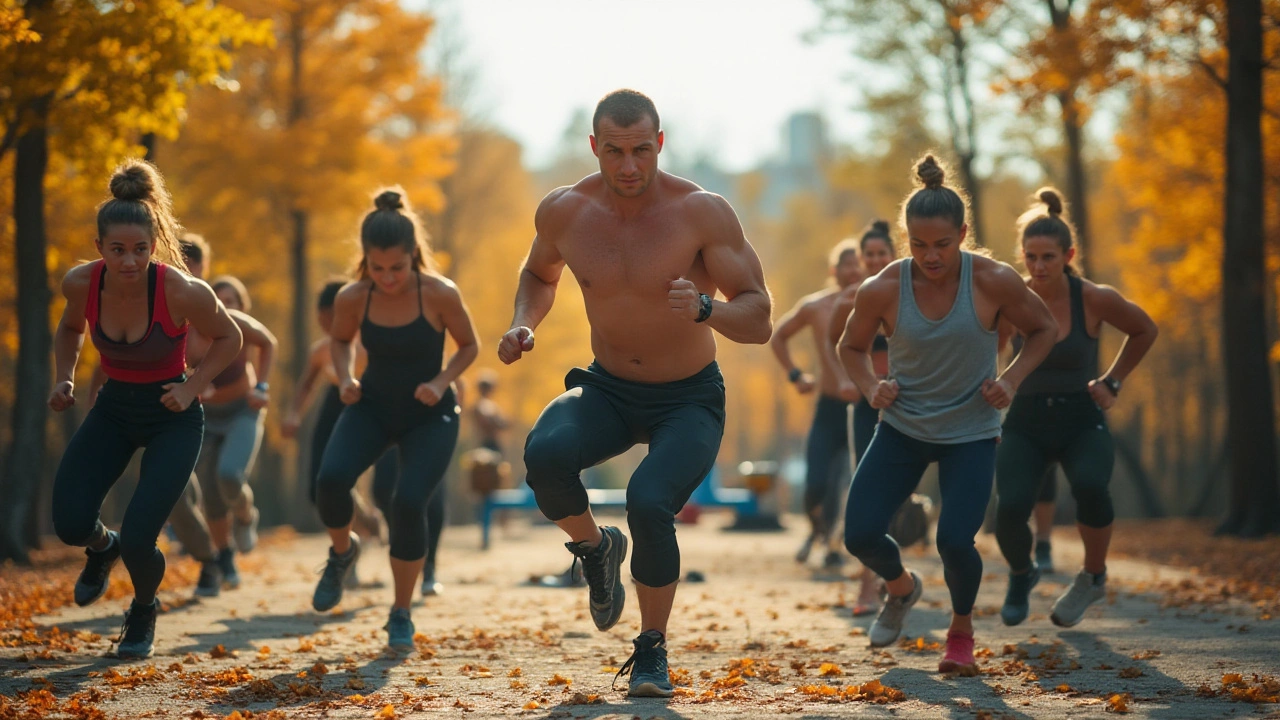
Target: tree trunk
(1077, 183)
(1251, 439)
(25, 469)
(300, 326)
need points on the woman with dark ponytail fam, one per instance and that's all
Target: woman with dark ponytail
(939, 310)
(402, 309)
(1058, 415)
(137, 314)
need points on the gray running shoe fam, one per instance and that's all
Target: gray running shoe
(888, 624)
(246, 534)
(430, 586)
(329, 590)
(210, 582)
(1087, 589)
(400, 630)
(137, 637)
(96, 574)
(647, 667)
(602, 566)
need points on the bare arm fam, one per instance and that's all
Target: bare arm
(68, 339)
(302, 390)
(539, 278)
(871, 305)
(257, 335)
(1026, 313)
(793, 322)
(196, 301)
(1140, 330)
(457, 322)
(342, 334)
(745, 315)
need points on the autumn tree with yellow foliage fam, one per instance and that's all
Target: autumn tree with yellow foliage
(86, 78)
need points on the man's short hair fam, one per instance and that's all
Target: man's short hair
(194, 248)
(624, 107)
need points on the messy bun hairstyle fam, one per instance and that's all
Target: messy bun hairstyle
(933, 198)
(139, 197)
(393, 224)
(878, 230)
(1047, 217)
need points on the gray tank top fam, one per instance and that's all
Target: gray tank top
(940, 366)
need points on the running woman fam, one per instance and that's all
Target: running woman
(137, 312)
(402, 308)
(234, 404)
(827, 448)
(650, 251)
(1059, 414)
(939, 310)
(876, 246)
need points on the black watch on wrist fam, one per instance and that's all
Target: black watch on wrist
(262, 386)
(705, 312)
(1112, 384)
(794, 375)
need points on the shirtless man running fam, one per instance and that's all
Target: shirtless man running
(650, 251)
(827, 448)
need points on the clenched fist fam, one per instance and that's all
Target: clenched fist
(514, 344)
(886, 392)
(684, 299)
(349, 392)
(997, 393)
(62, 398)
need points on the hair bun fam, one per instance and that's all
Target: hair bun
(133, 181)
(1051, 199)
(389, 200)
(880, 226)
(930, 173)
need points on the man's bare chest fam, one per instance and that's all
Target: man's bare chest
(612, 257)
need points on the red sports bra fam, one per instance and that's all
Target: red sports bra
(161, 354)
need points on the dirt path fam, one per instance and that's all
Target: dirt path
(762, 636)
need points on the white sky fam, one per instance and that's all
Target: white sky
(724, 74)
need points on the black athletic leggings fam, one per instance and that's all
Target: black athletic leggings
(128, 416)
(827, 470)
(358, 440)
(601, 416)
(1068, 429)
(385, 472)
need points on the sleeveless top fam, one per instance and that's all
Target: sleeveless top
(161, 354)
(1073, 362)
(400, 359)
(940, 366)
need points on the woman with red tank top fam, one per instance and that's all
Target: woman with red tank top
(137, 310)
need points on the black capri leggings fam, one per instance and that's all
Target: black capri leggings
(827, 470)
(1039, 430)
(128, 416)
(385, 472)
(601, 416)
(358, 440)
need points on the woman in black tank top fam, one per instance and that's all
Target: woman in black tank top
(1057, 416)
(402, 309)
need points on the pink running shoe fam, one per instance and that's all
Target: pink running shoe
(959, 655)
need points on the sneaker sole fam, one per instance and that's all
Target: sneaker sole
(619, 591)
(951, 666)
(650, 690)
(135, 656)
(95, 598)
(207, 593)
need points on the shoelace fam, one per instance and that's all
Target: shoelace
(644, 645)
(128, 625)
(593, 569)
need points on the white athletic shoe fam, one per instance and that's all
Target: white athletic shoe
(1069, 608)
(888, 624)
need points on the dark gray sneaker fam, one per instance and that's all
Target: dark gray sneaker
(647, 667)
(602, 566)
(210, 582)
(227, 564)
(96, 574)
(888, 624)
(329, 590)
(400, 630)
(137, 637)
(1017, 599)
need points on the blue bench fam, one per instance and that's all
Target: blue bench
(708, 494)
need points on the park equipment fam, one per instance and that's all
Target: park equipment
(760, 478)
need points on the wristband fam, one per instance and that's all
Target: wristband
(705, 312)
(794, 375)
(262, 386)
(1112, 384)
